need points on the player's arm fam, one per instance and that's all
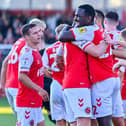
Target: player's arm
(121, 73)
(119, 43)
(25, 62)
(122, 44)
(59, 58)
(96, 50)
(30, 84)
(120, 53)
(3, 75)
(119, 64)
(46, 69)
(66, 34)
(77, 34)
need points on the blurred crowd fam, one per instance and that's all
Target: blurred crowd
(10, 25)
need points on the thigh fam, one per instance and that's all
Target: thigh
(57, 102)
(29, 116)
(117, 104)
(11, 96)
(124, 106)
(102, 98)
(79, 100)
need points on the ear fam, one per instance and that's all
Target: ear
(89, 18)
(117, 23)
(26, 36)
(105, 21)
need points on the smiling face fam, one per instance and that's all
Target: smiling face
(81, 18)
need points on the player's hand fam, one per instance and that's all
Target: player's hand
(116, 66)
(59, 62)
(44, 94)
(107, 38)
(2, 91)
(48, 72)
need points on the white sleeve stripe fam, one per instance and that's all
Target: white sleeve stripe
(86, 45)
(24, 70)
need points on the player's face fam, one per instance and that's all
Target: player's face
(97, 19)
(35, 34)
(81, 18)
(106, 24)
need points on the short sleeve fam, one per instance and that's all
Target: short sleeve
(25, 60)
(83, 33)
(82, 44)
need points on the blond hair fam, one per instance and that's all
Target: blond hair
(38, 22)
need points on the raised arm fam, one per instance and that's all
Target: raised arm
(66, 34)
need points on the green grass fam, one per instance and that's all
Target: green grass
(4, 102)
(10, 119)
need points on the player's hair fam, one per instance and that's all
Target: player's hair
(38, 22)
(26, 28)
(123, 33)
(89, 10)
(100, 14)
(59, 28)
(112, 16)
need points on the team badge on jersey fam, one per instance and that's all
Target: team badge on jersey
(25, 61)
(82, 30)
(27, 49)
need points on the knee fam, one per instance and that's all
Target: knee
(118, 121)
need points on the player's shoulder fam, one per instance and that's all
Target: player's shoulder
(88, 28)
(55, 45)
(20, 41)
(26, 50)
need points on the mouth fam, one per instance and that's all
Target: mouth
(38, 38)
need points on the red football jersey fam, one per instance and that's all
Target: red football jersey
(75, 65)
(100, 68)
(115, 36)
(30, 62)
(49, 61)
(12, 68)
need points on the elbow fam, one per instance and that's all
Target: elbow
(20, 78)
(5, 62)
(97, 54)
(62, 39)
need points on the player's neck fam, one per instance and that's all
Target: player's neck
(112, 28)
(32, 45)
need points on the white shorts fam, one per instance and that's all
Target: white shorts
(57, 104)
(11, 94)
(124, 106)
(29, 116)
(106, 98)
(78, 103)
